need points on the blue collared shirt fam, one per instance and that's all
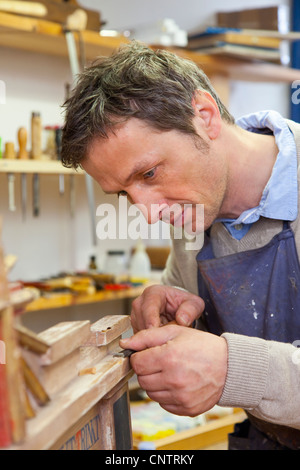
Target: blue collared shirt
(280, 197)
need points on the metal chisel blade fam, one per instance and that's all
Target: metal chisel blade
(124, 353)
(23, 194)
(36, 195)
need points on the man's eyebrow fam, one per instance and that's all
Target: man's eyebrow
(138, 167)
(142, 165)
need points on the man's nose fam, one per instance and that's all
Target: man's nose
(148, 204)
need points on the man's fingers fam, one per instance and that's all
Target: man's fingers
(150, 338)
(159, 305)
(189, 311)
(146, 309)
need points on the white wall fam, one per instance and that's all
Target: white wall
(54, 242)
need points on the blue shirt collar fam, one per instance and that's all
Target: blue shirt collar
(280, 196)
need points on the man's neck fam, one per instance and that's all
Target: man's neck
(251, 158)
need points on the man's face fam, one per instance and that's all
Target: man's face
(158, 171)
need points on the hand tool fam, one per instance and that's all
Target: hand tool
(36, 136)
(23, 195)
(124, 353)
(36, 194)
(10, 154)
(11, 192)
(36, 152)
(23, 8)
(22, 139)
(23, 155)
(10, 150)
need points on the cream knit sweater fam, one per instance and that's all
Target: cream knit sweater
(263, 376)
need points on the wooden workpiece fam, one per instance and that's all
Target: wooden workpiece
(86, 387)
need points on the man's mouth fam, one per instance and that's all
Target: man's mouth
(175, 219)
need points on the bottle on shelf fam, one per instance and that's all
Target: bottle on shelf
(140, 266)
(93, 265)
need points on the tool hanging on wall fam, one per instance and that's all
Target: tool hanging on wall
(58, 134)
(36, 194)
(23, 155)
(36, 153)
(75, 68)
(11, 154)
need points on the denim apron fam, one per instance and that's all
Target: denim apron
(255, 293)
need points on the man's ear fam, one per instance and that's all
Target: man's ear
(207, 114)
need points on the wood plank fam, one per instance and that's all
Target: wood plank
(52, 421)
(29, 340)
(107, 329)
(56, 376)
(33, 384)
(63, 338)
(14, 378)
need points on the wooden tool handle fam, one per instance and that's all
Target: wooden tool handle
(36, 136)
(23, 8)
(10, 150)
(22, 139)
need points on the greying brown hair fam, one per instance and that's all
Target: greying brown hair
(156, 86)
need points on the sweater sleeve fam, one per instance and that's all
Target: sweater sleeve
(263, 378)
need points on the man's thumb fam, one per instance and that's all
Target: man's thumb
(150, 338)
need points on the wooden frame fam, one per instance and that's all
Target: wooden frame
(83, 405)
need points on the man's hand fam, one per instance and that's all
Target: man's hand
(183, 369)
(159, 305)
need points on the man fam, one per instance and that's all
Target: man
(148, 125)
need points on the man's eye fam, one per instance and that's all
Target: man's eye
(122, 193)
(150, 173)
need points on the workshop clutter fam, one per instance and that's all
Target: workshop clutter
(44, 142)
(23, 156)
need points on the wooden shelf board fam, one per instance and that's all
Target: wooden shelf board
(36, 166)
(238, 69)
(67, 300)
(45, 37)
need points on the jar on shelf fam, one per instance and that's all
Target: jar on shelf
(115, 262)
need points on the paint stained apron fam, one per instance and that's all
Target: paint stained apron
(255, 293)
